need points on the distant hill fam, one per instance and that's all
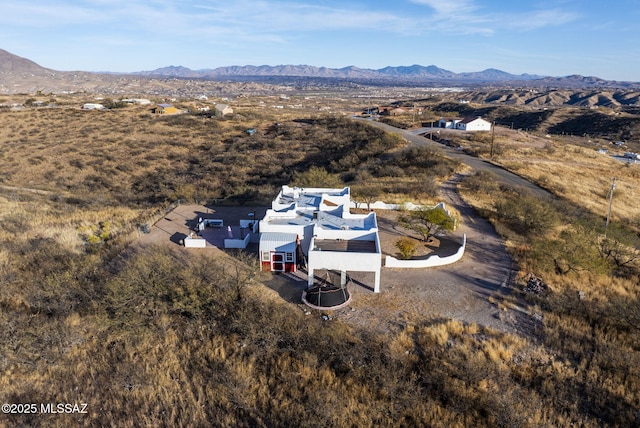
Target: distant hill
(415, 70)
(578, 81)
(172, 71)
(16, 64)
(602, 97)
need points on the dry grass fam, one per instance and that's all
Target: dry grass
(162, 339)
(587, 306)
(581, 176)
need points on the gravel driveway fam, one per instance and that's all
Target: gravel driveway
(468, 291)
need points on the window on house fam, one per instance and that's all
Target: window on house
(265, 256)
(290, 257)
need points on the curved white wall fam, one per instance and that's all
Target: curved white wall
(428, 262)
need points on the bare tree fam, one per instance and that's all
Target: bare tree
(367, 193)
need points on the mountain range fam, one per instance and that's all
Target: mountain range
(21, 75)
(406, 73)
(414, 74)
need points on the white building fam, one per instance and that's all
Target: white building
(473, 124)
(139, 101)
(465, 124)
(329, 235)
(92, 106)
(448, 123)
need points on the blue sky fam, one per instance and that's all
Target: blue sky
(548, 37)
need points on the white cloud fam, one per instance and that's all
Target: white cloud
(46, 14)
(280, 17)
(540, 19)
(466, 17)
(274, 21)
(212, 16)
(449, 7)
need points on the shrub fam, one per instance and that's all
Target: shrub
(526, 215)
(407, 247)
(316, 176)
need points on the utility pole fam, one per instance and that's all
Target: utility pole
(493, 136)
(613, 186)
(414, 114)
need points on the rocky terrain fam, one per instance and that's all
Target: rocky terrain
(601, 97)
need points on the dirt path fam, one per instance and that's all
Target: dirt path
(469, 291)
(27, 189)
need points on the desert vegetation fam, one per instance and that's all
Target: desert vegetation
(153, 337)
(586, 297)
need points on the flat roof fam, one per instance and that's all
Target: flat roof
(328, 221)
(345, 245)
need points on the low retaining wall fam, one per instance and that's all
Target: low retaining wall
(237, 243)
(428, 262)
(197, 242)
(407, 206)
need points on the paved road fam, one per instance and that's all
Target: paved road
(477, 164)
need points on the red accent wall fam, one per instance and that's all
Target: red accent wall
(288, 267)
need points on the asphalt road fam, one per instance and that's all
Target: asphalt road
(503, 175)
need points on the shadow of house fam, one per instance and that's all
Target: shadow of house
(178, 238)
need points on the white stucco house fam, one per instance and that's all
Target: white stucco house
(465, 124)
(317, 223)
(473, 124)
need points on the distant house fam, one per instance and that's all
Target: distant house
(465, 124)
(164, 109)
(92, 106)
(139, 101)
(448, 123)
(474, 124)
(384, 110)
(223, 110)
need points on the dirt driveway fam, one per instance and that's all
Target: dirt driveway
(469, 290)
